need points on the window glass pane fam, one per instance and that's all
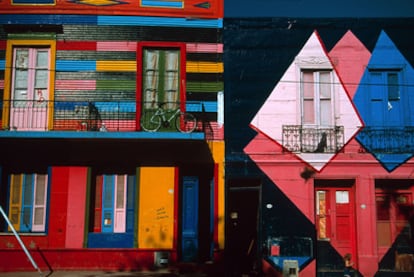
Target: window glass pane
(27, 214)
(325, 84)
(22, 58)
(308, 85)
(42, 59)
(171, 81)
(342, 197)
(326, 113)
(150, 75)
(20, 79)
(393, 88)
(308, 112)
(41, 78)
(383, 207)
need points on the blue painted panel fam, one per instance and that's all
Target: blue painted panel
(27, 203)
(108, 194)
(2, 64)
(112, 240)
(33, 1)
(131, 196)
(75, 65)
(190, 219)
(159, 21)
(46, 19)
(162, 4)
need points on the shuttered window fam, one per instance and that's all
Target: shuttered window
(28, 202)
(114, 206)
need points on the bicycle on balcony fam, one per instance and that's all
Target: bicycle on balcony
(151, 121)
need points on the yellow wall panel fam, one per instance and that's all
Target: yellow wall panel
(124, 66)
(204, 67)
(156, 208)
(217, 149)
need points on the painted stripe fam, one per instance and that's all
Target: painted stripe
(204, 86)
(2, 64)
(76, 45)
(128, 46)
(204, 47)
(162, 3)
(75, 65)
(116, 66)
(75, 85)
(159, 21)
(109, 20)
(209, 106)
(116, 46)
(47, 19)
(106, 135)
(1, 84)
(3, 44)
(116, 85)
(204, 67)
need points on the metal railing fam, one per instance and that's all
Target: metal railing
(392, 140)
(118, 116)
(298, 138)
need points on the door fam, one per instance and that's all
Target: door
(335, 219)
(242, 227)
(28, 107)
(190, 219)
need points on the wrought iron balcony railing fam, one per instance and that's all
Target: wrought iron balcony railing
(298, 138)
(118, 116)
(390, 140)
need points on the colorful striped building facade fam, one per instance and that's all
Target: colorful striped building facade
(91, 177)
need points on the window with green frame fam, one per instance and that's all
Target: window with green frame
(27, 202)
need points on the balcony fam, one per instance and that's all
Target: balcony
(88, 119)
(388, 140)
(304, 139)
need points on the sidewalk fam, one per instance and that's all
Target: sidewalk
(160, 273)
(188, 270)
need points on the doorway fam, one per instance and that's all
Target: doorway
(335, 216)
(242, 222)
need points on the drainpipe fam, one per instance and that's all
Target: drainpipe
(20, 241)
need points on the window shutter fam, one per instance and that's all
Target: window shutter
(120, 204)
(15, 200)
(27, 203)
(107, 204)
(39, 204)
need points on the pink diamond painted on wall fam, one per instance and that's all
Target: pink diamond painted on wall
(309, 112)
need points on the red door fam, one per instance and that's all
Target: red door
(335, 218)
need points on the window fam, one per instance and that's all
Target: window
(394, 211)
(113, 204)
(161, 70)
(30, 88)
(112, 211)
(27, 202)
(317, 97)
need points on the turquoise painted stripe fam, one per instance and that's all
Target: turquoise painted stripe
(75, 65)
(110, 20)
(159, 21)
(162, 4)
(102, 135)
(209, 106)
(2, 64)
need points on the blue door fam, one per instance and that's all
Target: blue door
(190, 219)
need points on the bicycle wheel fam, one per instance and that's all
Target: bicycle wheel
(150, 122)
(185, 122)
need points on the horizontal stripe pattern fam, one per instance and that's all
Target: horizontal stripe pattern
(111, 20)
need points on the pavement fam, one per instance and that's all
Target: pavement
(158, 273)
(190, 270)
